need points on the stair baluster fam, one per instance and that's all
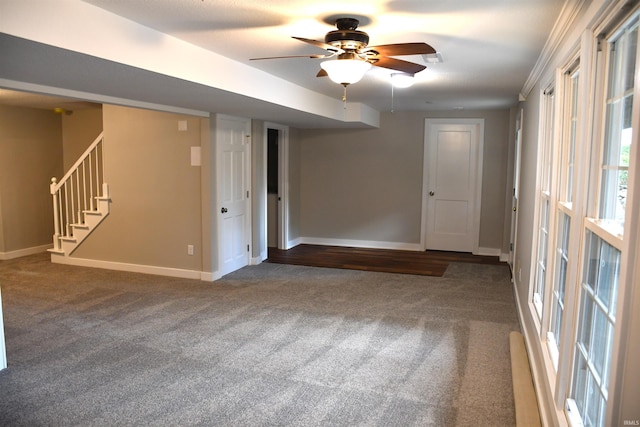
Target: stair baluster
(80, 199)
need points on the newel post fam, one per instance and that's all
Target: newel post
(56, 219)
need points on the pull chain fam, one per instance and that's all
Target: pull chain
(344, 96)
(392, 97)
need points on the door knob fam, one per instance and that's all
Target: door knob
(515, 209)
(431, 193)
(224, 210)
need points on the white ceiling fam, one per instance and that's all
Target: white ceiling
(489, 47)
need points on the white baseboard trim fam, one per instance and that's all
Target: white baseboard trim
(546, 412)
(207, 277)
(293, 243)
(3, 351)
(373, 244)
(256, 260)
(132, 268)
(4, 256)
(488, 252)
(504, 257)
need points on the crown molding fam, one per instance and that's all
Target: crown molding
(568, 14)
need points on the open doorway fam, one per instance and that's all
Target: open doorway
(276, 159)
(272, 187)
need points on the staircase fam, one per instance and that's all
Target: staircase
(80, 200)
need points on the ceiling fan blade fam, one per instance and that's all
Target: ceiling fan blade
(320, 44)
(399, 65)
(292, 56)
(322, 73)
(400, 49)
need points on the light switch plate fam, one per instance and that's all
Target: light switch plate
(195, 156)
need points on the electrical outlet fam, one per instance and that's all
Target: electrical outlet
(189, 249)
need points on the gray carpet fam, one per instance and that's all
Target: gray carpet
(268, 345)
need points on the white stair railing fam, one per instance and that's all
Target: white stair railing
(77, 193)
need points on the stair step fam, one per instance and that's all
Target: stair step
(56, 251)
(87, 190)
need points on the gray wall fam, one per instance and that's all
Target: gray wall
(524, 260)
(366, 184)
(295, 184)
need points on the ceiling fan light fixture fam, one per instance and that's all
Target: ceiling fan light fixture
(345, 71)
(402, 80)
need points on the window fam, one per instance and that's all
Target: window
(603, 234)
(595, 332)
(565, 210)
(579, 261)
(617, 138)
(569, 155)
(559, 286)
(544, 197)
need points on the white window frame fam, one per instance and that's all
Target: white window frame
(544, 206)
(602, 229)
(570, 130)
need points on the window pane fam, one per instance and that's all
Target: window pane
(580, 381)
(618, 129)
(543, 237)
(596, 323)
(584, 332)
(560, 278)
(599, 340)
(568, 166)
(549, 125)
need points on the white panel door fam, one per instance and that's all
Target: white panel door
(233, 175)
(452, 199)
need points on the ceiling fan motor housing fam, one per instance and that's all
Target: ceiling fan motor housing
(346, 37)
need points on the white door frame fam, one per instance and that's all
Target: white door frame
(515, 195)
(3, 352)
(477, 199)
(218, 205)
(283, 183)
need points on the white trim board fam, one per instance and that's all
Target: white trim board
(132, 268)
(3, 351)
(548, 414)
(24, 252)
(488, 252)
(359, 243)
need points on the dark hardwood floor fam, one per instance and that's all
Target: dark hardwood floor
(429, 263)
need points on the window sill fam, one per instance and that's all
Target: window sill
(610, 231)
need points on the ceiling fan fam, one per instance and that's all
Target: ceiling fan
(351, 56)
